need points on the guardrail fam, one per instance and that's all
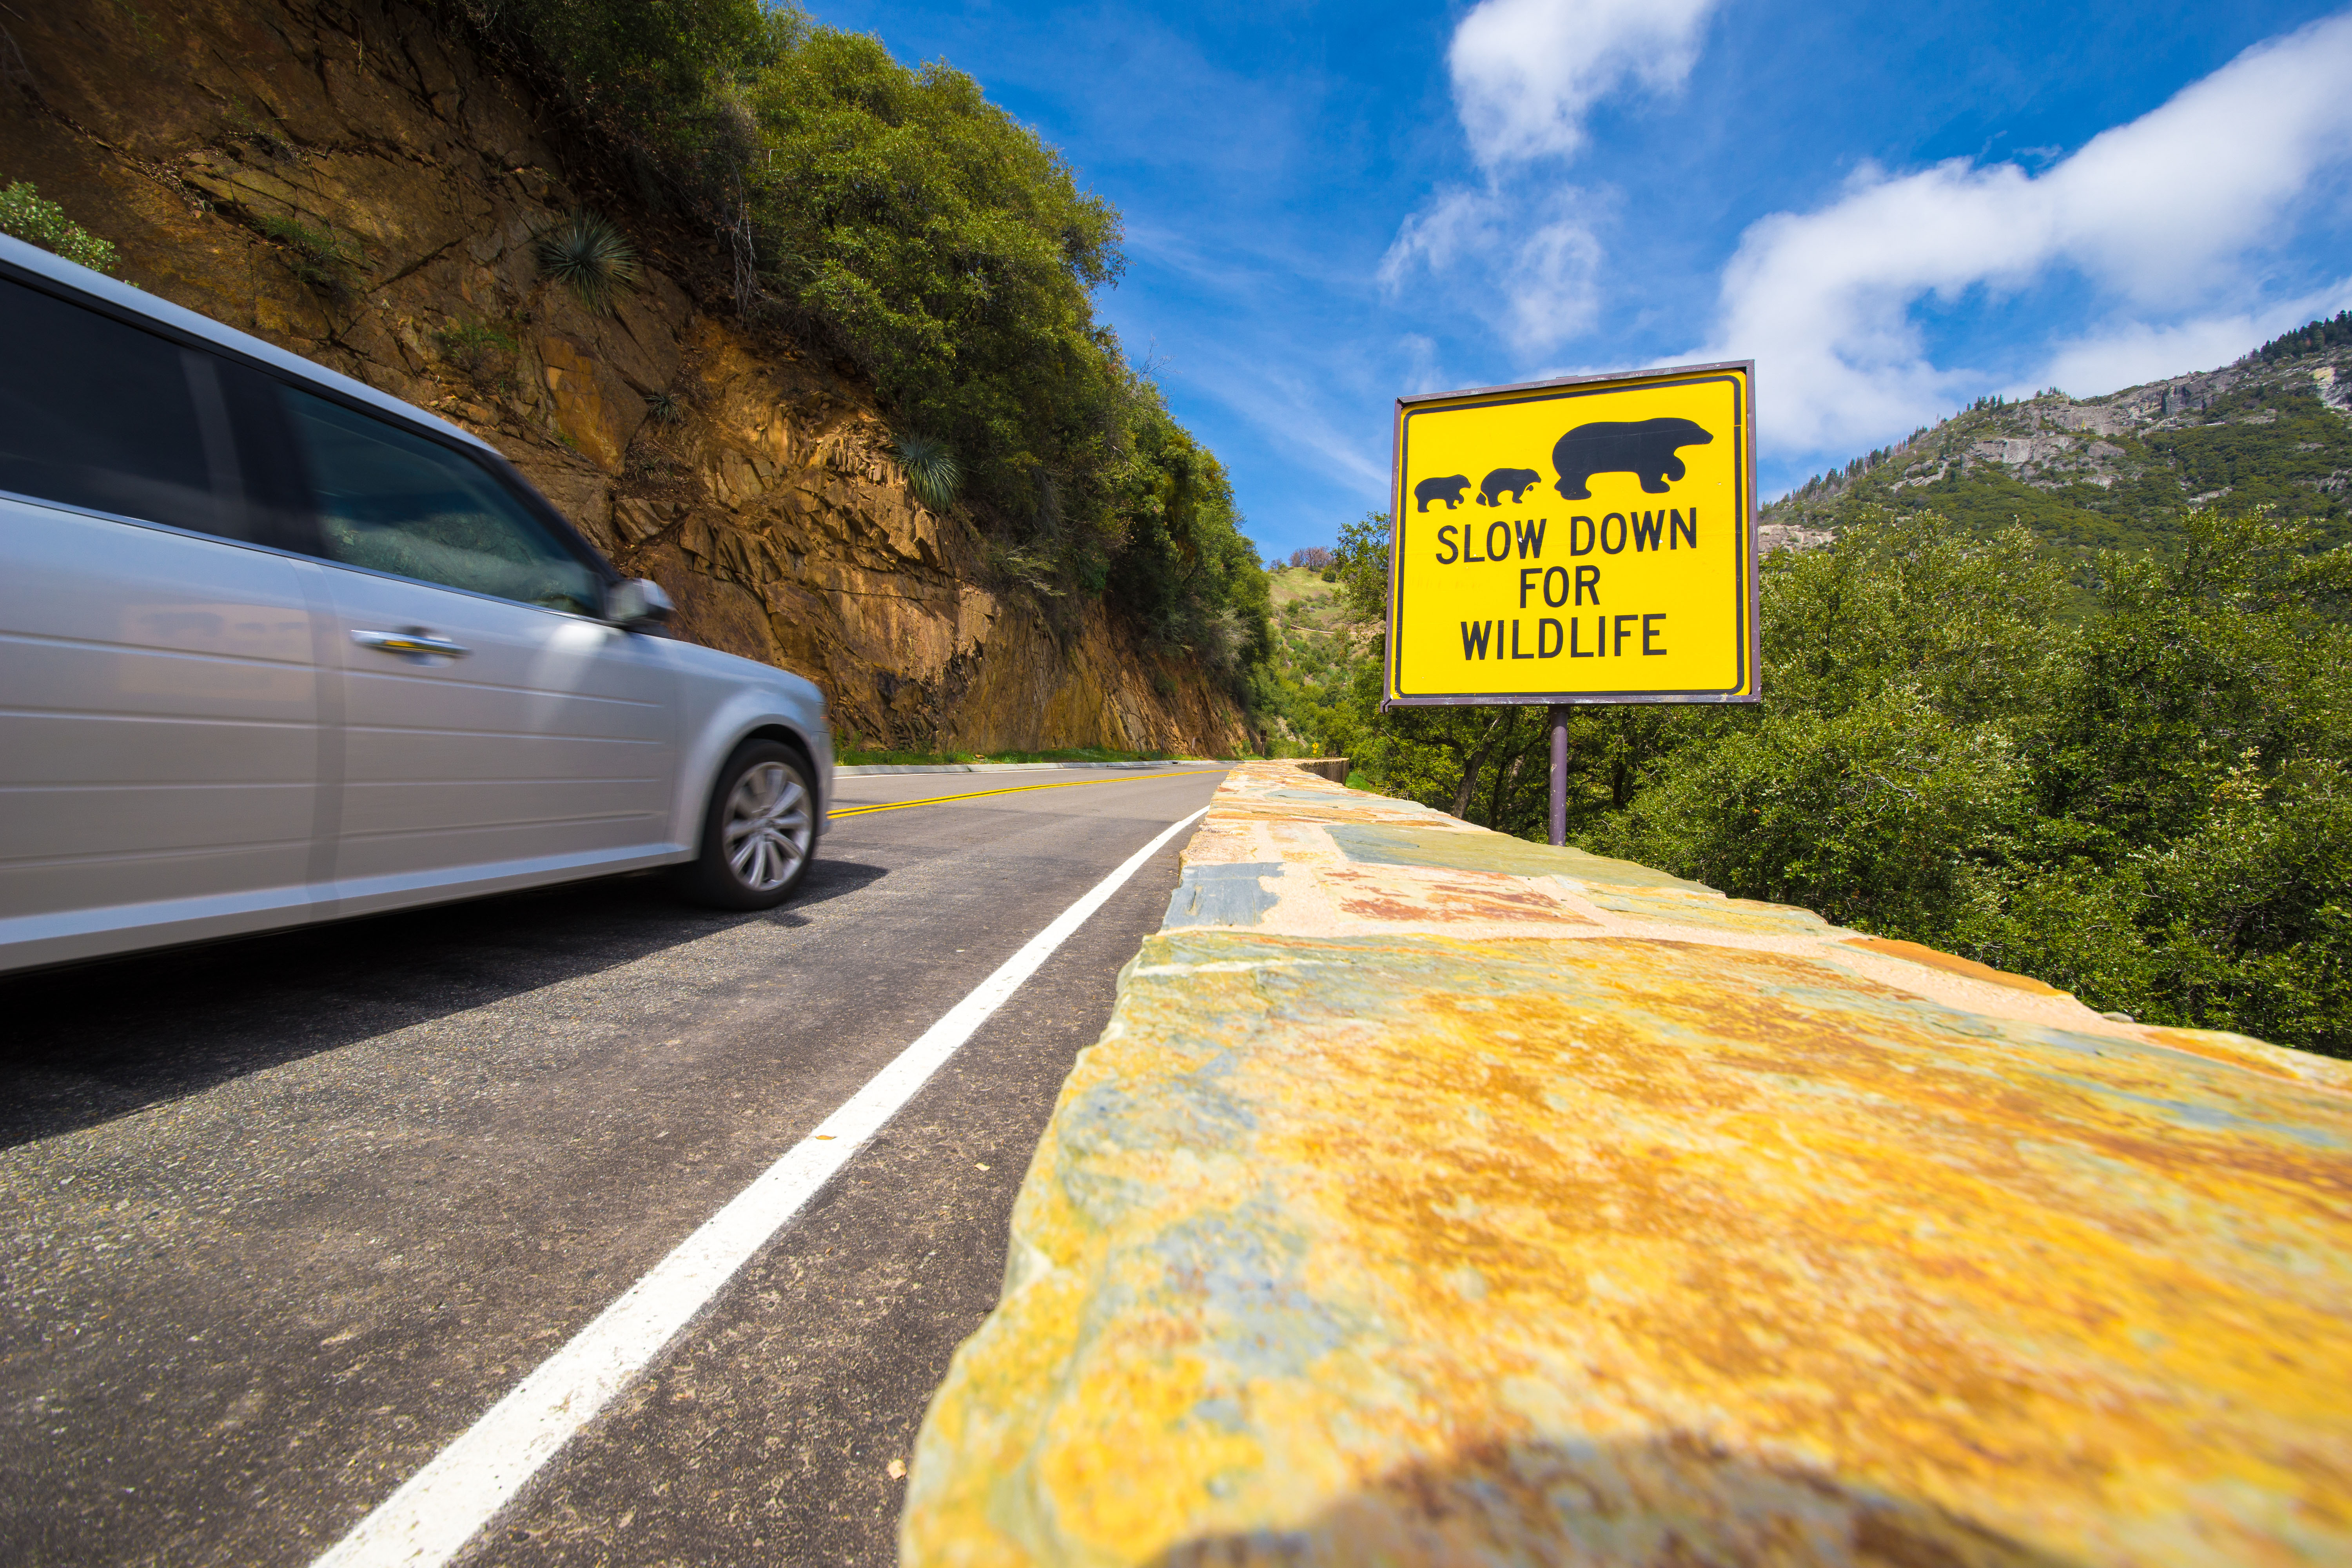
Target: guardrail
(1332, 768)
(1434, 1196)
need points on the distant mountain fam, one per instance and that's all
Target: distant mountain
(2119, 471)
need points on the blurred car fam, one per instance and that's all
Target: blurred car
(275, 648)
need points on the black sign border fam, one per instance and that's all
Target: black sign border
(1743, 479)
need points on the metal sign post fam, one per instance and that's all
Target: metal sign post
(1558, 717)
(1586, 540)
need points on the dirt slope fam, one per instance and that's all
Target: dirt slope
(763, 500)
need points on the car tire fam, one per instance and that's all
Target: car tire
(758, 832)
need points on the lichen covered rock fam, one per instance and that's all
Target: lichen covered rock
(1434, 1197)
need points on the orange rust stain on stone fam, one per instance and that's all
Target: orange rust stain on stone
(1953, 964)
(1459, 899)
(2257, 1056)
(1432, 1250)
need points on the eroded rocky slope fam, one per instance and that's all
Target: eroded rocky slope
(747, 476)
(2117, 470)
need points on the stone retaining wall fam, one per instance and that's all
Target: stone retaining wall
(1438, 1198)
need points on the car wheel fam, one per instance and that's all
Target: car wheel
(758, 834)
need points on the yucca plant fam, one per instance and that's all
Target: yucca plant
(591, 258)
(665, 408)
(931, 470)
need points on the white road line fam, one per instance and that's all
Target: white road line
(429, 1520)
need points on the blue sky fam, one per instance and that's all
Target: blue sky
(1892, 210)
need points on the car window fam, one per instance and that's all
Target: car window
(394, 501)
(96, 412)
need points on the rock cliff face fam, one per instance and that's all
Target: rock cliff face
(2274, 434)
(355, 185)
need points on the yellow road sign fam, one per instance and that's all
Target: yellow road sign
(1588, 540)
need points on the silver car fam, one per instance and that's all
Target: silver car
(275, 648)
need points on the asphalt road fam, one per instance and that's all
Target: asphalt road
(286, 1216)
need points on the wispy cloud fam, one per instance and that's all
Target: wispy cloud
(1522, 249)
(2128, 353)
(1527, 73)
(2167, 218)
(1528, 259)
(1242, 265)
(1418, 353)
(1293, 407)
(1326, 210)
(1148, 95)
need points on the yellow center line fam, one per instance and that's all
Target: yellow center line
(1013, 789)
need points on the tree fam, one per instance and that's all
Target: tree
(900, 219)
(2149, 804)
(2150, 807)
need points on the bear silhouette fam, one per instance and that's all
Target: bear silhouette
(1447, 489)
(1643, 449)
(1514, 480)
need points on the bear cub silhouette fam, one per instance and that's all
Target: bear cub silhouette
(1448, 489)
(1515, 480)
(1643, 449)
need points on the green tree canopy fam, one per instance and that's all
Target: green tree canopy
(2149, 804)
(899, 217)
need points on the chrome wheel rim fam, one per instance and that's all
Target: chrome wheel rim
(768, 828)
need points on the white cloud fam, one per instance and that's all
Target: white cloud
(1521, 249)
(2163, 215)
(1526, 72)
(2130, 353)
(1421, 373)
(1287, 404)
(1525, 259)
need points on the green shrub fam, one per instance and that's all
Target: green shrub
(900, 219)
(2274, 447)
(23, 214)
(654, 76)
(2147, 801)
(1856, 815)
(2149, 807)
(1032, 569)
(316, 254)
(951, 253)
(473, 347)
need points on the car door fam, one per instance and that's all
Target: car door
(496, 733)
(162, 710)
